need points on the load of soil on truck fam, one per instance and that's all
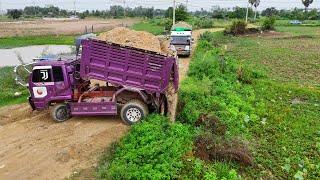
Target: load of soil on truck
(137, 39)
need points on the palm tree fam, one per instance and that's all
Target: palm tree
(307, 3)
(255, 3)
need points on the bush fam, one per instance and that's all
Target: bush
(203, 23)
(268, 24)
(152, 149)
(237, 28)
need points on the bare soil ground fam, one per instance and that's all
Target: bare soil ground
(42, 27)
(32, 146)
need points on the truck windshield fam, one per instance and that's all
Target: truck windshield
(180, 39)
(41, 75)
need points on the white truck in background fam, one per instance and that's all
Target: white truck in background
(181, 39)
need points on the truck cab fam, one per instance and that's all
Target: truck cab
(51, 82)
(181, 39)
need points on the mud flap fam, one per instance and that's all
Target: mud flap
(31, 103)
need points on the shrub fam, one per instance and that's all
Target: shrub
(152, 149)
(203, 23)
(237, 28)
(268, 24)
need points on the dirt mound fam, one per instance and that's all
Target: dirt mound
(137, 39)
(213, 149)
(213, 145)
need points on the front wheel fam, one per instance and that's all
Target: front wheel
(61, 113)
(133, 111)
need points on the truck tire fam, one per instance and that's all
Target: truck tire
(133, 111)
(60, 113)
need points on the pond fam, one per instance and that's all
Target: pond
(10, 57)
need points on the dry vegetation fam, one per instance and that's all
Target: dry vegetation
(42, 27)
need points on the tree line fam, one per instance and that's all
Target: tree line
(181, 12)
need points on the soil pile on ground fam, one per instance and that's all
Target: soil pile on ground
(137, 39)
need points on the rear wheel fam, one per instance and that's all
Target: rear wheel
(133, 111)
(61, 113)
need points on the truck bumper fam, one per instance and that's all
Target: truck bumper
(183, 53)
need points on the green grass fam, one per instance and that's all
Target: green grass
(12, 42)
(267, 94)
(149, 26)
(305, 23)
(152, 149)
(8, 88)
(300, 30)
(286, 140)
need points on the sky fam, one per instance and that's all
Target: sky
(82, 5)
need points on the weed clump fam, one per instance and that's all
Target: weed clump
(237, 28)
(212, 145)
(215, 149)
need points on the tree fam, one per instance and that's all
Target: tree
(14, 13)
(270, 12)
(306, 4)
(255, 3)
(181, 13)
(239, 12)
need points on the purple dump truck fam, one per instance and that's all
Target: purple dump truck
(135, 82)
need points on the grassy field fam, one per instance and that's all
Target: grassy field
(287, 145)
(12, 42)
(262, 96)
(9, 88)
(149, 26)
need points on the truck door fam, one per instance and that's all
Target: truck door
(42, 86)
(61, 81)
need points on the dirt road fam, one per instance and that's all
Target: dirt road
(44, 27)
(32, 146)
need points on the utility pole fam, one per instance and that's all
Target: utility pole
(124, 8)
(174, 13)
(74, 7)
(0, 7)
(34, 8)
(187, 2)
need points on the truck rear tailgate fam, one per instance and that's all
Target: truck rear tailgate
(126, 66)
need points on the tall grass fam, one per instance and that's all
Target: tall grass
(8, 88)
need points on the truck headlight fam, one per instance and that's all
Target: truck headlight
(187, 48)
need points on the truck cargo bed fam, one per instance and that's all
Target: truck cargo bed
(127, 66)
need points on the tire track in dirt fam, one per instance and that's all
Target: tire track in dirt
(33, 146)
